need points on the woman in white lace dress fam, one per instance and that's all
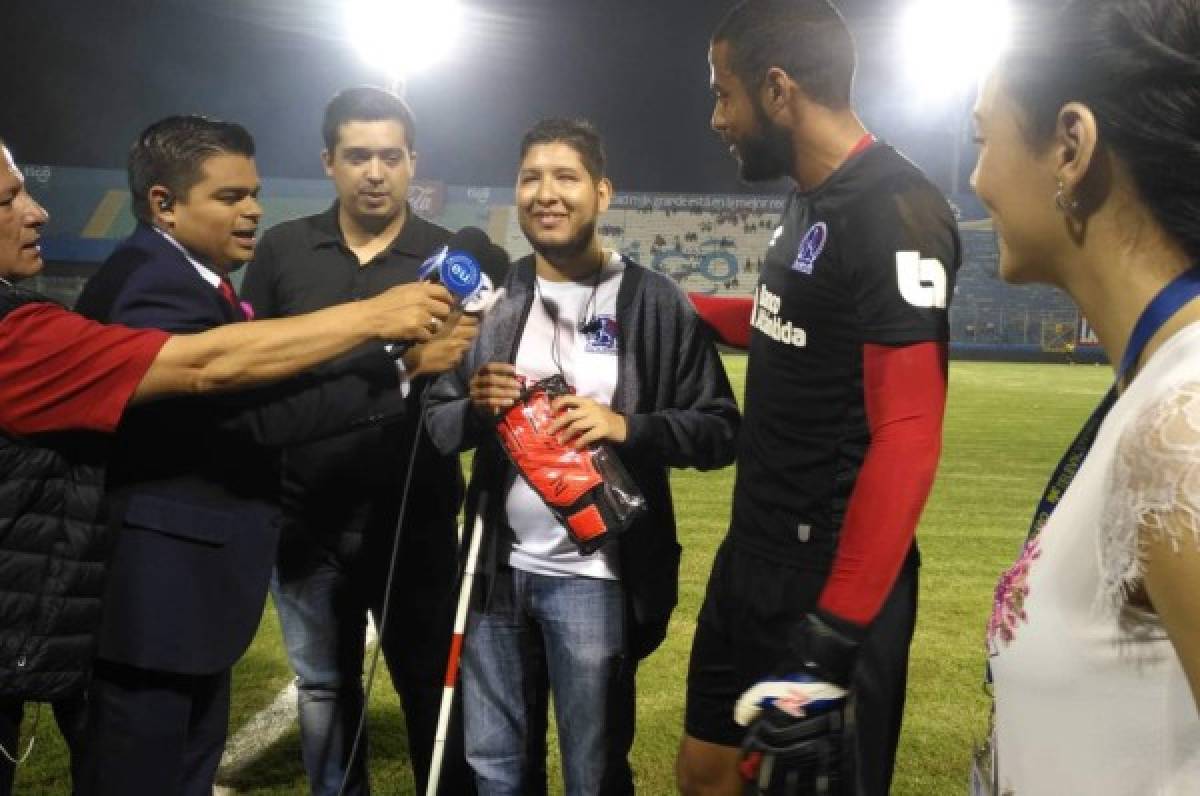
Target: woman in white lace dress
(1090, 166)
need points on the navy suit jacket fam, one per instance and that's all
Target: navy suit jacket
(193, 481)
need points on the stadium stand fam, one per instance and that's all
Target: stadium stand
(707, 244)
(704, 251)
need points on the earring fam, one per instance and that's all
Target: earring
(1067, 207)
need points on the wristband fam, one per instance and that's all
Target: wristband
(825, 648)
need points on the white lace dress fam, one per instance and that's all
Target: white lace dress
(1090, 695)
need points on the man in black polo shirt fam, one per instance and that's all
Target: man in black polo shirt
(342, 495)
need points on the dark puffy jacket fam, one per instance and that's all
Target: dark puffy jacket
(53, 549)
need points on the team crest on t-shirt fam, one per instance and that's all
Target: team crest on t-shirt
(602, 336)
(811, 247)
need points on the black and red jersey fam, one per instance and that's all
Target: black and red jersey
(867, 257)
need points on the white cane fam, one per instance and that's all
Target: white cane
(456, 642)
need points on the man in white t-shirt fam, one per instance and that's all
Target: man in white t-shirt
(647, 380)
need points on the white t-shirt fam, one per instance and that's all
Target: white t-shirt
(589, 363)
(1090, 694)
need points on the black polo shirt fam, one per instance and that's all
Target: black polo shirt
(304, 265)
(351, 481)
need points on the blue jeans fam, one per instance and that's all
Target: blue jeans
(567, 634)
(323, 590)
(324, 634)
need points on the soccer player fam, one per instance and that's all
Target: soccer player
(812, 597)
(647, 380)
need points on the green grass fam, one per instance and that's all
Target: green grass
(1006, 426)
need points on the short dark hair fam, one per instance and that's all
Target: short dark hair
(366, 104)
(808, 39)
(171, 152)
(579, 134)
(1136, 65)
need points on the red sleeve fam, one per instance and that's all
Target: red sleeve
(62, 372)
(905, 399)
(728, 316)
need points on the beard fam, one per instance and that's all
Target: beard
(766, 155)
(568, 249)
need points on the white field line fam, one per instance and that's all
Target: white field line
(269, 724)
(263, 729)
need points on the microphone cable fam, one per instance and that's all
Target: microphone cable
(387, 595)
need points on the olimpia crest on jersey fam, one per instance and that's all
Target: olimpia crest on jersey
(811, 247)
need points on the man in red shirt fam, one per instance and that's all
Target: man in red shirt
(62, 373)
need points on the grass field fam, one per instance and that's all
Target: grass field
(1006, 427)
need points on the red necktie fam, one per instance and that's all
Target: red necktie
(230, 295)
(226, 289)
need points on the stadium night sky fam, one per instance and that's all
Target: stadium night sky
(84, 76)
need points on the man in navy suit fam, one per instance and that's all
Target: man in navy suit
(193, 481)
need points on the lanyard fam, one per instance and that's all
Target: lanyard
(1181, 290)
(1070, 463)
(1170, 300)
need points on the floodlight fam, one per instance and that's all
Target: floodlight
(400, 37)
(949, 45)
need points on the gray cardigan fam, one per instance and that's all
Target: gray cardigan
(678, 405)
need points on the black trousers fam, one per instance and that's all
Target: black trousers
(739, 640)
(153, 733)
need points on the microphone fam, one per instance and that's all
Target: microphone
(468, 266)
